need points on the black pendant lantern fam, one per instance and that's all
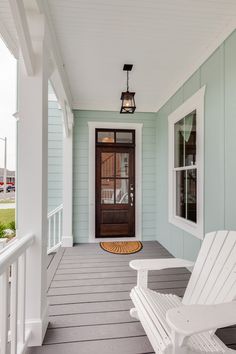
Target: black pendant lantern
(128, 102)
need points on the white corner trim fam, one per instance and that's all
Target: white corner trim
(195, 102)
(138, 177)
(228, 30)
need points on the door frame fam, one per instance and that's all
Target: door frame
(138, 178)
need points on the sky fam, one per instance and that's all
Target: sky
(8, 77)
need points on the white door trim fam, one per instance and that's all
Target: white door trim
(138, 178)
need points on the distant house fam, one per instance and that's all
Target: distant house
(10, 176)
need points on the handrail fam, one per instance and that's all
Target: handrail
(14, 251)
(13, 331)
(54, 211)
(8, 245)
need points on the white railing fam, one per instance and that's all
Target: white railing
(54, 229)
(13, 334)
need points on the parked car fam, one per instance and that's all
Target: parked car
(11, 188)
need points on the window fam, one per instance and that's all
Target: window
(115, 136)
(186, 165)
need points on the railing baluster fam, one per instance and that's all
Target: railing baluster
(59, 226)
(54, 230)
(49, 233)
(4, 311)
(13, 308)
(21, 299)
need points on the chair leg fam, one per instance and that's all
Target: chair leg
(134, 313)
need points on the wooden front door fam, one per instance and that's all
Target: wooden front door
(115, 183)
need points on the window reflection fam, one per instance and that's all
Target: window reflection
(108, 164)
(185, 141)
(107, 191)
(122, 191)
(122, 164)
(186, 194)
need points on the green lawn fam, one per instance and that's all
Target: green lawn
(7, 201)
(6, 216)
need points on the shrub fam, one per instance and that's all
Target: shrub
(2, 230)
(12, 226)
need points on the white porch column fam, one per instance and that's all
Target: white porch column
(32, 180)
(67, 236)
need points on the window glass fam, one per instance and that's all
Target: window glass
(185, 141)
(122, 191)
(107, 164)
(191, 211)
(124, 137)
(107, 191)
(186, 194)
(106, 137)
(122, 164)
(190, 139)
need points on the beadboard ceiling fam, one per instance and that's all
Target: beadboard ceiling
(165, 40)
(162, 38)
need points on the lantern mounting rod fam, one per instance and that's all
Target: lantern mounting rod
(128, 67)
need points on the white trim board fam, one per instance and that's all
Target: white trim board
(138, 178)
(195, 102)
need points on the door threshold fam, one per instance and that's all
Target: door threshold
(114, 239)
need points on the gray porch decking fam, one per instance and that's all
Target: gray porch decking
(89, 301)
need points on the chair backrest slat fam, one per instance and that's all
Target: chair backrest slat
(214, 279)
(199, 266)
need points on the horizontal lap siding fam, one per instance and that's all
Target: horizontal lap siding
(218, 73)
(80, 213)
(55, 155)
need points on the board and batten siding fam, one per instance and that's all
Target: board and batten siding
(81, 159)
(218, 73)
(55, 153)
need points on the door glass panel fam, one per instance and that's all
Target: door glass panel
(107, 191)
(124, 137)
(122, 165)
(106, 137)
(107, 164)
(122, 191)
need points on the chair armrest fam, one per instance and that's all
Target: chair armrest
(158, 264)
(187, 320)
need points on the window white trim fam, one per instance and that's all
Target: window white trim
(196, 102)
(138, 178)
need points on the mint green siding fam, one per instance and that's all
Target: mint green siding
(80, 201)
(218, 73)
(55, 155)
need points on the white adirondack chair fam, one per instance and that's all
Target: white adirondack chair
(188, 325)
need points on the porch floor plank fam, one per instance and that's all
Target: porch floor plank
(89, 302)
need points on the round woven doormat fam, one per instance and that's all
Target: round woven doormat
(124, 247)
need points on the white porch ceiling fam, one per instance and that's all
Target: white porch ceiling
(166, 40)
